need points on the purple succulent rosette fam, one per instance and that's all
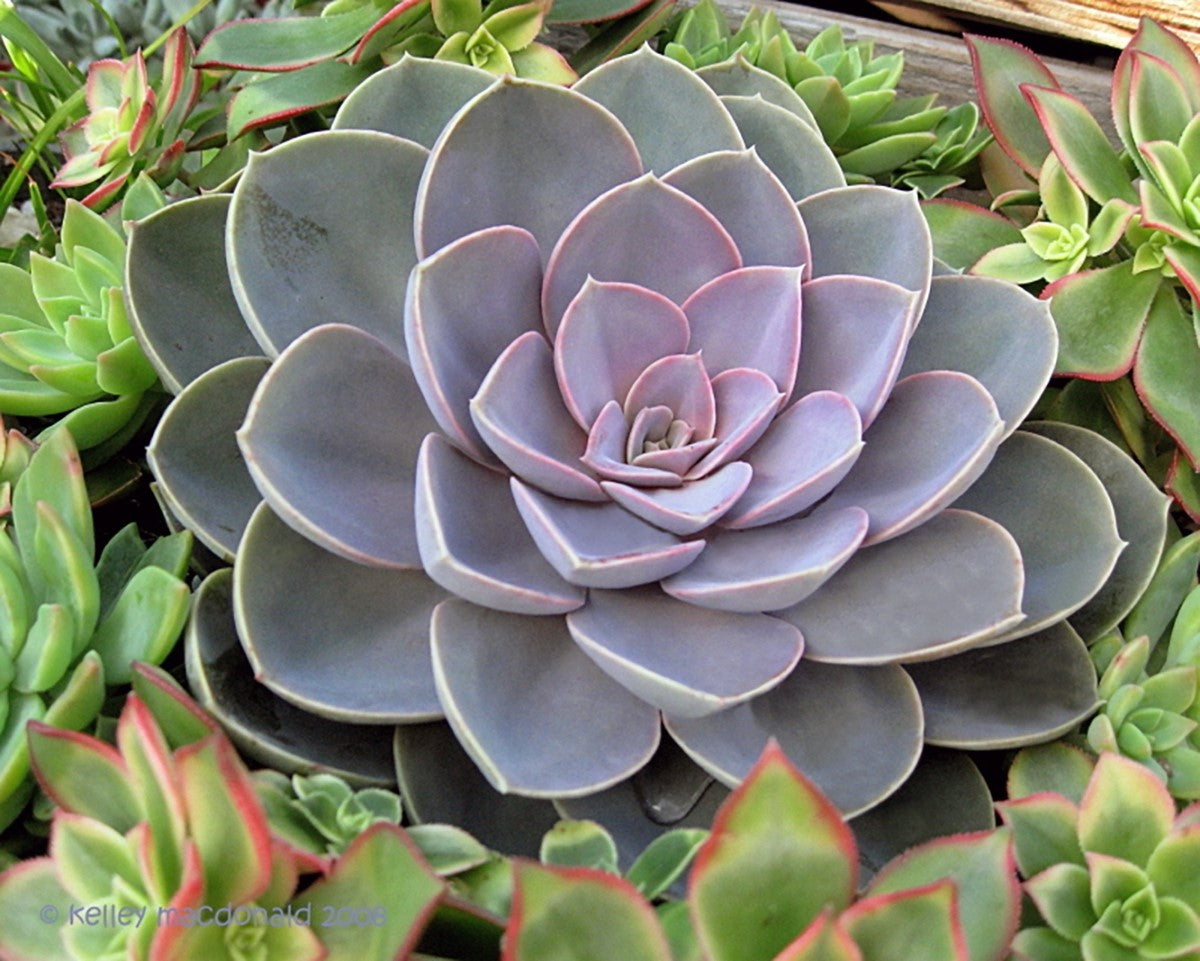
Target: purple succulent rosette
(594, 411)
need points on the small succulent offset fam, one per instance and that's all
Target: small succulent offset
(851, 94)
(321, 812)
(68, 627)
(777, 879)
(131, 126)
(1116, 239)
(624, 432)
(66, 346)
(1107, 861)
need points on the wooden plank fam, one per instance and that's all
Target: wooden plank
(1107, 22)
(933, 62)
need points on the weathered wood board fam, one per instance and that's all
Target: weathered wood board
(1108, 22)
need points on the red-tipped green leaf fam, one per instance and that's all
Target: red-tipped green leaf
(83, 775)
(226, 821)
(181, 719)
(1100, 315)
(917, 923)
(556, 911)
(382, 872)
(962, 232)
(1044, 831)
(824, 940)
(286, 43)
(775, 833)
(1126, 811)
(1062, 894)
(35, 908)
(270, 101)
(1167, 370)
(1000, 67)
(1159, 107)
(1080, 144)
(984, 871)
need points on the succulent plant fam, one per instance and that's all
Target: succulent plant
(65, 342)
(850, 92)
(777, 880)
(1108, 863)
(131, 126)
(1115, 235)
(66, 627)
(323, 813)
(80, 32)
(651, 440)
(159, 848)
(294, 65)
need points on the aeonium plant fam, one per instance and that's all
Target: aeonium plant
(657, 422)
(1115, 235)
(1108, 862)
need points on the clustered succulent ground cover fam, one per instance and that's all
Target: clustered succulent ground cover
(619, 499)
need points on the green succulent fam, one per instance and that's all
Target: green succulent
(69, 624)
(1109, 865)
(66, 346)
(80, 31)
(850, 91)
(1150, 718)
(321, 812)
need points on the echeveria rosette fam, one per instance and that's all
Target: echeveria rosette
(659, 434)
(1110, 866)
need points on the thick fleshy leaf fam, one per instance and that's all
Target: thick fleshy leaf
(594, 906)
(83, 775)
(1168, 358)
(1126, 811)
(283, 44)
(854, 731)
(442, 785)
(993, 331)
(518, 413)
(609, 442)
(749, 318)
(854, 331)
(36, 908)
(672, 116)
(1043, 826)
(871, 231)
(273, 100)
(382, 867)
(600, 545)
(582, 152)
(465, 305)
(177, 256)
(934, 437)
(680, 384)
(983, 870)
(345, 641)
(301, 255)
(262, 725)
(597, 736)
(803, 455)
(772, 567)
(1170, 866)
(1100, 315)
(610, 333)
(888, 926)
(683, 660)
(777, 833)
(738, 77)
(384, 101)
(484, 556)
(750, 202)
(823, 940)
(688, 509)
(195, 457)
(643, 232)
(1160, 104)
(340, 479)
(226, 821)
(790, 146)
(962, 232)
(1001, 67)
(747, 401)
(1141, 512)
(1008, 695)
(1069, 509)
(1080, 144)
(946, 586)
